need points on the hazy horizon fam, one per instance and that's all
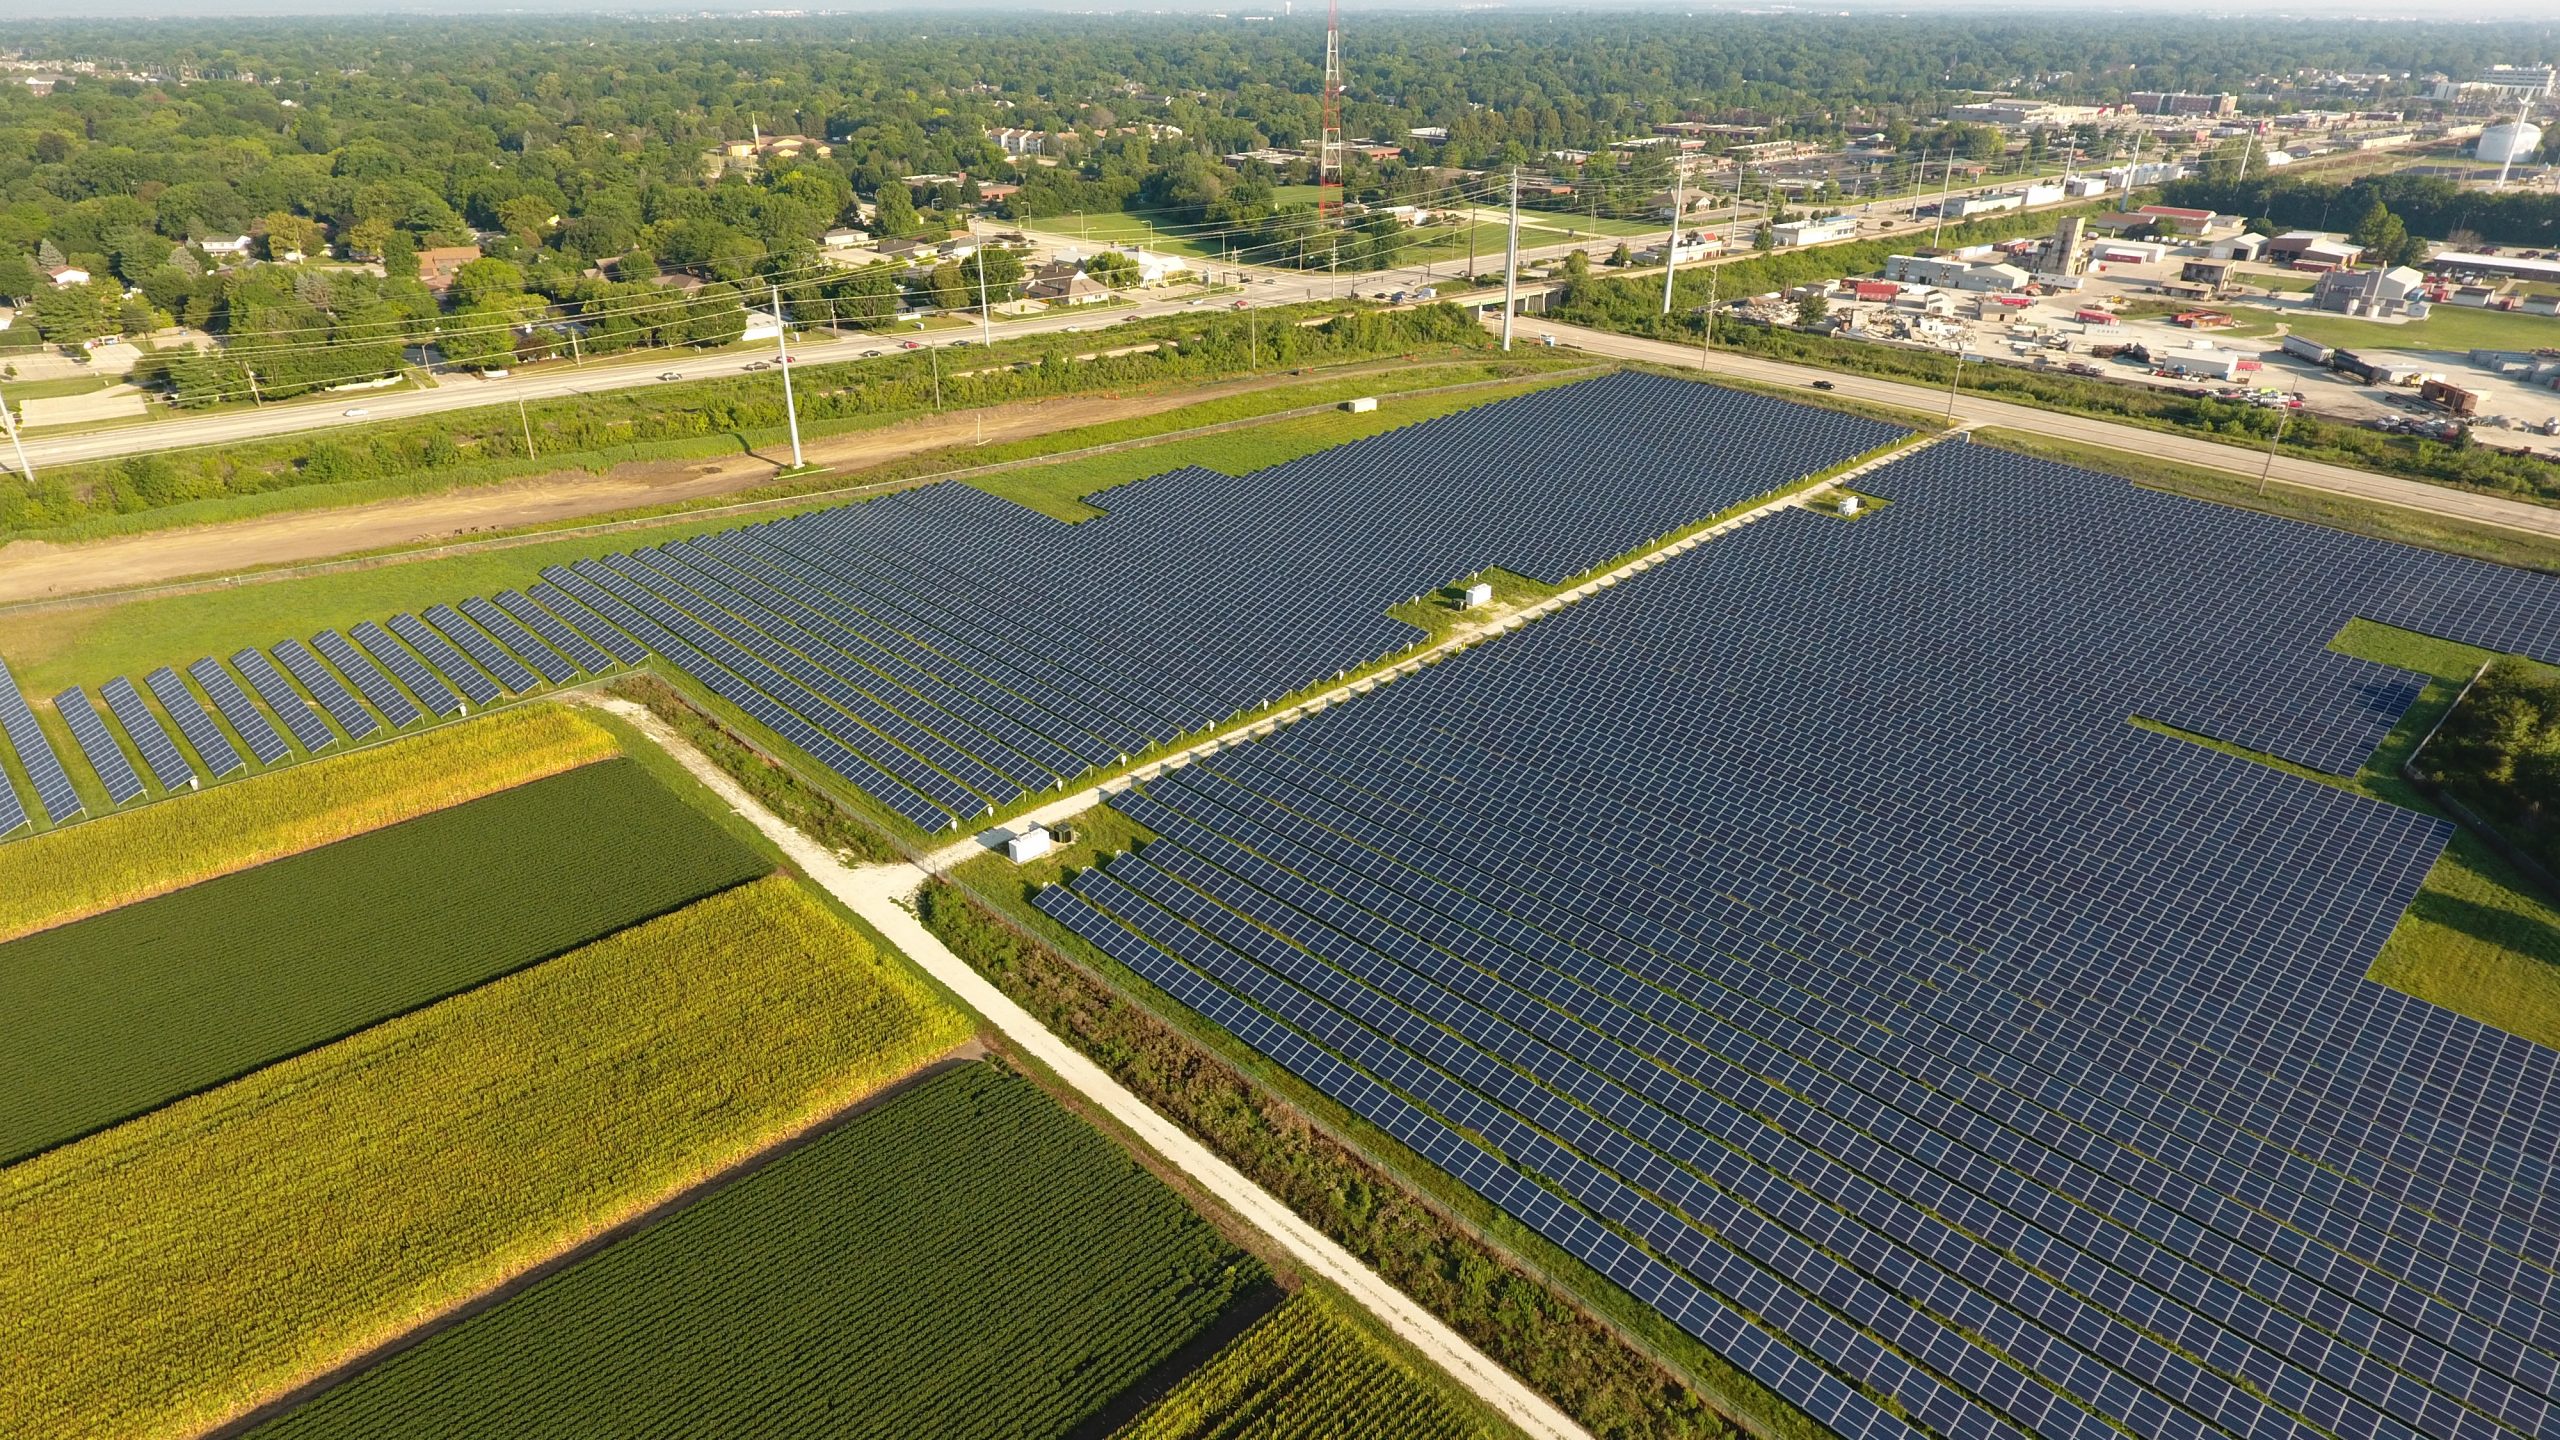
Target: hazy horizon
(215, 10)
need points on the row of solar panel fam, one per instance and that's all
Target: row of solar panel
(471, 654)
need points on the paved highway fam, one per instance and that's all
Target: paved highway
(1979, 410)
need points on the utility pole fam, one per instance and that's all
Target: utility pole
(1511, 262)
(1252, 341)
(2268, 473)
(1946, 187)
(1671, 240)
(782, 343)
(527, 422)
(26, 471)
(1953, 376)
(254, 397)
(986, 321)
(933, 352)
(1707, 342)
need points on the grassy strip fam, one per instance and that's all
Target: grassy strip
(83, 869)
(124, 1012)
(1262, 1127)
(967, 1259)
(727, 415)
(1306, 1371)
(2338, 512)
(776, 787)
(181, 1268)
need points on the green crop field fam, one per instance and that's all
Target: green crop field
(966, 1259)
(123, 1012)
(186, 1266)
(96, 865)
(1307, 1371)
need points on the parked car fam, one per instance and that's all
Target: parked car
(672, 375)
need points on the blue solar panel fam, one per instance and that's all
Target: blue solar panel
(44, 768)
(515, 637)
(247, 721)
(431, 692)
(213, 748)
(168, 764)
(554, 632)
(484, 652)
(107, 758)
(308, 728)
(447, 661)
(332, 692)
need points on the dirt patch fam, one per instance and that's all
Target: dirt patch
(116, 402)
(36, 570)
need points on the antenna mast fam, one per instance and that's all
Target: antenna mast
(1329, 144)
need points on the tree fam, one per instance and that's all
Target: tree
(1113, 269)
(480, 339)
(291, 234)
(484, 280)
(1765, 238)
(69, 314)
(1619, 256)
(2384, 238)
(399, 256)
(897, 211)
(526, 217)
(1812, 308)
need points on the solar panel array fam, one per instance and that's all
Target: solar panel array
(168, 765)
(239, 712)
(330, 691)
(949, 652)
(212, 747)
(35, 753)
(1801, 935)
(309, 731)
(89, 730)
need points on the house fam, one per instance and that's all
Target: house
(2312, 247)
(1815, 232)
(996, 192)
(1016, 141)
(221, 247)
(66, 275)
(1429, 134)
(913, 249)
(1075, 288)
(437, 264)
(845, 237)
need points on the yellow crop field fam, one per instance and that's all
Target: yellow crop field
(179, 1269)
(80, 870)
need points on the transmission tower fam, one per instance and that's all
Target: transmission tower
(1329, 143)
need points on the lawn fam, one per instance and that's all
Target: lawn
(186, 1266)
(97, 865)
(1124, 229)
(965, 1259)
(1309, 1371)
(2447, 327)
(123, 1012)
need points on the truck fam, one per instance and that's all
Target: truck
(2090, 315)
(2311, 350)
(2451, 398)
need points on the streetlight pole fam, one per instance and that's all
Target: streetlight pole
(1671, 240)
(1511, 263)
(1954, 374)
(986, 321)
(933, 353)
(782, 343)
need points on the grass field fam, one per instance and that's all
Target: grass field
(123, 1012)
(2447, 327)
(180, 1268)
(966, 1259)
(1307, 1371)
(96, 865)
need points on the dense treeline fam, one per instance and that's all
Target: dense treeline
(559, 146)
(456, 447)
(2428, 206)
(2499, 751)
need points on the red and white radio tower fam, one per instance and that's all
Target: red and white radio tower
(1329, 147)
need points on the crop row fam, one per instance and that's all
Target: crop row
(1306, 1371)
(967, 1259)
(190, 1264)
(64, 874)
(116, 1014)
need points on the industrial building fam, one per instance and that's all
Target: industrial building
(1815, 232)
(2178, 102)
(2374, 293)
(1952, 274)
(2313, 247)
(2465, 262)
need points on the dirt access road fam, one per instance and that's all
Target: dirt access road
(35, 570)
(878, 893)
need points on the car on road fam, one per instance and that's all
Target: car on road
(672, 375)
(909, 345)
(358, 410)
(1195, 300)
(870, 354)
(792, 360)
(1824, 385)
(964, 342)
(1239, 305)
(760, 365)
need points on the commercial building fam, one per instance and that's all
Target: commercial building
(2313, 247)
(2465, 262)
(2502, 82)
(2179, 102)
(1815, 232)
(2374, 293)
